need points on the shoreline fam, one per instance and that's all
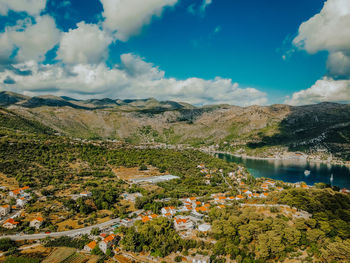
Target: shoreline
(307, 160)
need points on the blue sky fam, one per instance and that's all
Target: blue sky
(202, 51)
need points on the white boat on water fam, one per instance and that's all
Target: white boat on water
(307, 172)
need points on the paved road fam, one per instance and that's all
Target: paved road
(75, 232)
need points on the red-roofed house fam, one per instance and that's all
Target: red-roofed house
(10, 223)
(182, 223)
(107, 243)
(89, 247)
(239, 197)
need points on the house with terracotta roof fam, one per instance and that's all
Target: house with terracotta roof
(10, 223)
(36, 222)
(168, 210)
(107, 243)
(145, 219)
(89, 247)
(183, 223)
(264, 195)
(239, 197)
(256, 195)
(202, 209)
(265, 187)
(16, 192)
(4, 210)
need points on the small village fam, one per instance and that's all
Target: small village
(190, 219)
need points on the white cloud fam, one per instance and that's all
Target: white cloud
(134, 78)
(205, 4)
(127, 17)
(32, 7)
(32, 40)
(329, 30)
(86, 44)
(326, 89)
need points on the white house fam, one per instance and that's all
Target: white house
(21, 202)
(36, 222)
(107, 243)
(4, 210)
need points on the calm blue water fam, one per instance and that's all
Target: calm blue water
(293, 170)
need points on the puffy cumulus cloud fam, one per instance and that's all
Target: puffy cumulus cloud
(126, 17)
(28, 40)
(135, 66)
(326, 89)
(329, 30)
(32, 7)
(339, 64)
(134, 78)
(86, 44)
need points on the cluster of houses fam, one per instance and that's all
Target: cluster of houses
(107, 242)
(22, 196)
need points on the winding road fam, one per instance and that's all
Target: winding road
(75, 232)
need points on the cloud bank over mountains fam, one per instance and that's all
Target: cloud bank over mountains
(38, 57)
(79, 68)
(327, 31)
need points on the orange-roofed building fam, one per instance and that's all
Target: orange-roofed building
(10, 223)
(89, 247)
(304, 186)
(107, 243)
(145, 219)
(221, 206)
(154, 216)
(207, 205)
(264, 195)
(239, 197)
(182, 223)
(201, 209)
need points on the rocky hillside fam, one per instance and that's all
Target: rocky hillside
(321, 127)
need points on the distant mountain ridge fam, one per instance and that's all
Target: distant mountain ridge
(254, 130)
(10, 98)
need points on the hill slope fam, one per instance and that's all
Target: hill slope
(256, 130)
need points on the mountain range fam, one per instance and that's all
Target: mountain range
(259, 130)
